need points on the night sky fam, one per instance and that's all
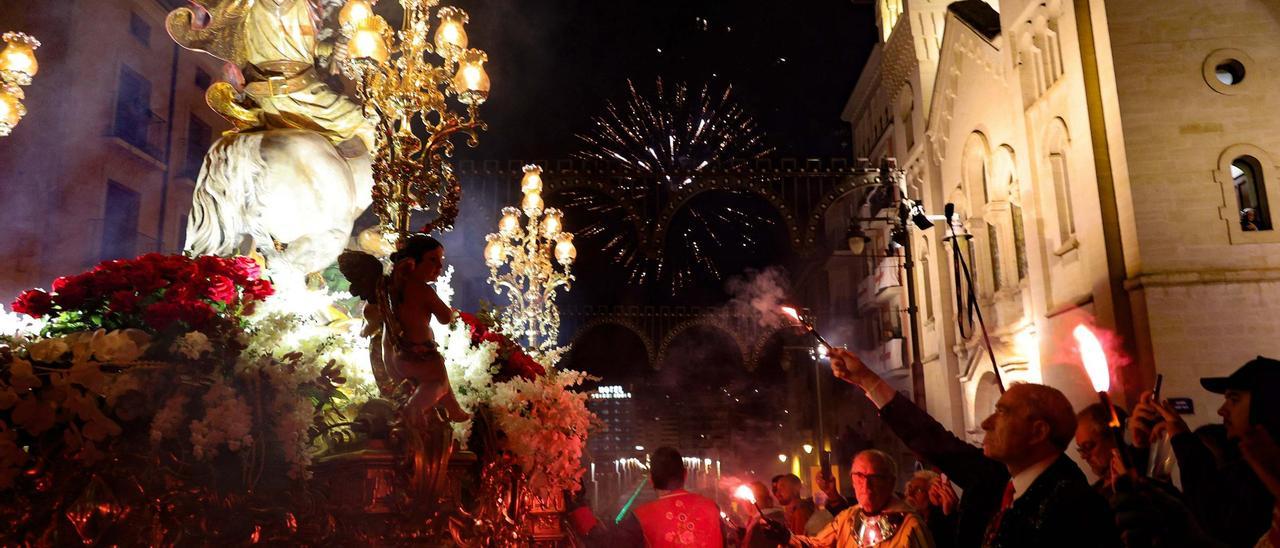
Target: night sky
(554, 63)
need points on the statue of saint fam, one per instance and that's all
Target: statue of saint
(274, 46)
(291, 178)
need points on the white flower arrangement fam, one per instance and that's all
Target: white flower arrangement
(547, 423)
(227, 421)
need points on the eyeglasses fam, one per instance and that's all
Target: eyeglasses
(872, 477)
(1086, 448)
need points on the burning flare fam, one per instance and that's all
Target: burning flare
(744, 492)
(1094, 358)
(791, 312)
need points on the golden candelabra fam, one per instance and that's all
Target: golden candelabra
(17, 66)
(396, 80)
(531, 279)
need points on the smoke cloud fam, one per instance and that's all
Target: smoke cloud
(760, 294)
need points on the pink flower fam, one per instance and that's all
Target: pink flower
(221, 289)
(245, 269)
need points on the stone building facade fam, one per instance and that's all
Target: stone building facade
(1099, 155)
(115, 134)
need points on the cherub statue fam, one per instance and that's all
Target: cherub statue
(295, 172)
(399, 310)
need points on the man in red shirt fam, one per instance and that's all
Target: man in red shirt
(676, 518)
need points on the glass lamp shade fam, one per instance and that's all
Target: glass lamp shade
(18, 58)
(368, 43)
(354, 14)
(565, 251)
(11, 111)
(532, 204)
(532, 181)
(552, 222)
(472, 82)
(510, 221)
(495, 252)
(451, 34)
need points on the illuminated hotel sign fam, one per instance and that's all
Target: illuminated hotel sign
(613, 392)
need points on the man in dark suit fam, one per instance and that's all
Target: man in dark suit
(1020, 489)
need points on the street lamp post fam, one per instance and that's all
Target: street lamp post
(901, 223)
(817, 384)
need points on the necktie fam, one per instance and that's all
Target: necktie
(994, 526)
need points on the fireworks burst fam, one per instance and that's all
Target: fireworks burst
(663, 146)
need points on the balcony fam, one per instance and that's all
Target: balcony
(887, 357)
(104, 244)
(142, 132)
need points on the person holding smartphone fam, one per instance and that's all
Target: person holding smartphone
(1230, 501)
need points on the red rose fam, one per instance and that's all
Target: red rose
(181, 292)
(525, 366)
(196, 314)
(33, 302)
(171, 266)
(468, 318)
(221, 289)
(123, 302)
(210, 265)
(115, 265)
(162, 315)
(71, 292)
(108, 281)
(147, 281)
(244, 269)
(257, 290)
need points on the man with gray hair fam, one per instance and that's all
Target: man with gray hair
(879, 519)
(1020, 489)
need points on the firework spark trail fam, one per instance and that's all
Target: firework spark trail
(665, 143)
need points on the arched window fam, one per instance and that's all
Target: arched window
(974, 167)
(1251, 194)
(1006, 172)
(1059, 171)
(977, 183)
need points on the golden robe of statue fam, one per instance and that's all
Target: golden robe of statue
(273, 43)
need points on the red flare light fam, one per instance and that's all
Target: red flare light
(1094, 358)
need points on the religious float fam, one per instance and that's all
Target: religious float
(234, 394)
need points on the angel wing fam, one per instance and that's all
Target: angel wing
(363, 271)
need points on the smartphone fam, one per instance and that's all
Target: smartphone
(1155, 394)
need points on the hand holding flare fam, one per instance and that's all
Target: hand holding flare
(808, 326)
(1095, 365)
(744, 492)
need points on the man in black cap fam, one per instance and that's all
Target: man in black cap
(1227, 498)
